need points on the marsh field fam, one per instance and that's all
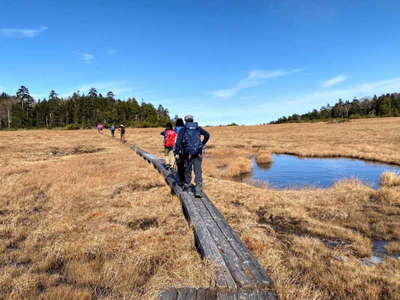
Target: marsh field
(83, 217)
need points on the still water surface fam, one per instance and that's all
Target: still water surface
(289, 171)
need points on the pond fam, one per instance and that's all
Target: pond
(289, 171)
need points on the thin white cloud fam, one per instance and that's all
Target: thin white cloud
(253, 79)
(20, 33)
(260, 74)
(87, 58)
(334, 81)
(360, 90)
(111, 51)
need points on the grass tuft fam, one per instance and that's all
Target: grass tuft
(390, 179)
(264, 158)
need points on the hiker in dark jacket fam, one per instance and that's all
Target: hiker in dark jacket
(189, 147)
(179, 125)
(122, 132)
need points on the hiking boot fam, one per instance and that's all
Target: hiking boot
(187, 188)
(198, 193)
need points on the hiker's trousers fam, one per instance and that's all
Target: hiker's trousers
(193, 164)
(169, 156)
(180, 166)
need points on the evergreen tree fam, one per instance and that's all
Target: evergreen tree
(25, 103)
(110, 95)
(92, 93)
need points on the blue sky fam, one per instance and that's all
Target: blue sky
(222, 61)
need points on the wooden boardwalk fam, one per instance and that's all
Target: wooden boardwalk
(207, 294)
(238, 273)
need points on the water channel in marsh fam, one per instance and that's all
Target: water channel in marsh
(290, 171)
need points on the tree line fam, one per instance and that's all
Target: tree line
(77, 111)
(387, 105)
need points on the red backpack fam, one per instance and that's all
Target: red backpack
(169, 138)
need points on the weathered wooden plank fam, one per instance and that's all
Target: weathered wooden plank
(248, 260)
(267, 295)
(206, 245)
(252, 294)
(206, 294)
(247, 295)
(227, 296)
(186, 294)
(202, 294)
(168, 294)
(232, 261)
(212, 294)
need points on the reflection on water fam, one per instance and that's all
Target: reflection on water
(289, 171)
(378, 253)
(263, 166)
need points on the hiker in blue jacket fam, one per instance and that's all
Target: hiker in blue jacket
(179, 125)
(189, 147)
(112, 130)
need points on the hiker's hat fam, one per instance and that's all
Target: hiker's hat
(122, 125)
(188, 117)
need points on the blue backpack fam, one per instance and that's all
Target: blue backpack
(191, 142)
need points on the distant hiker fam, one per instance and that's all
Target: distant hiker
(122, 132)
(169, 142)
(179, 125)
(99, 128)
(112, 130)
(189, 147)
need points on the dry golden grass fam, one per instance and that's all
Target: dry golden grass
(390, 179)
(83, 217)
(393, 248)
(311, 241)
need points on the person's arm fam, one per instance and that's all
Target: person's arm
(206, 136)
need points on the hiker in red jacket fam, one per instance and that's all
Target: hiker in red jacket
(169, 142)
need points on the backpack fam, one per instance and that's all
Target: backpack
(178, 129)
(169, 138)
(191, 142)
